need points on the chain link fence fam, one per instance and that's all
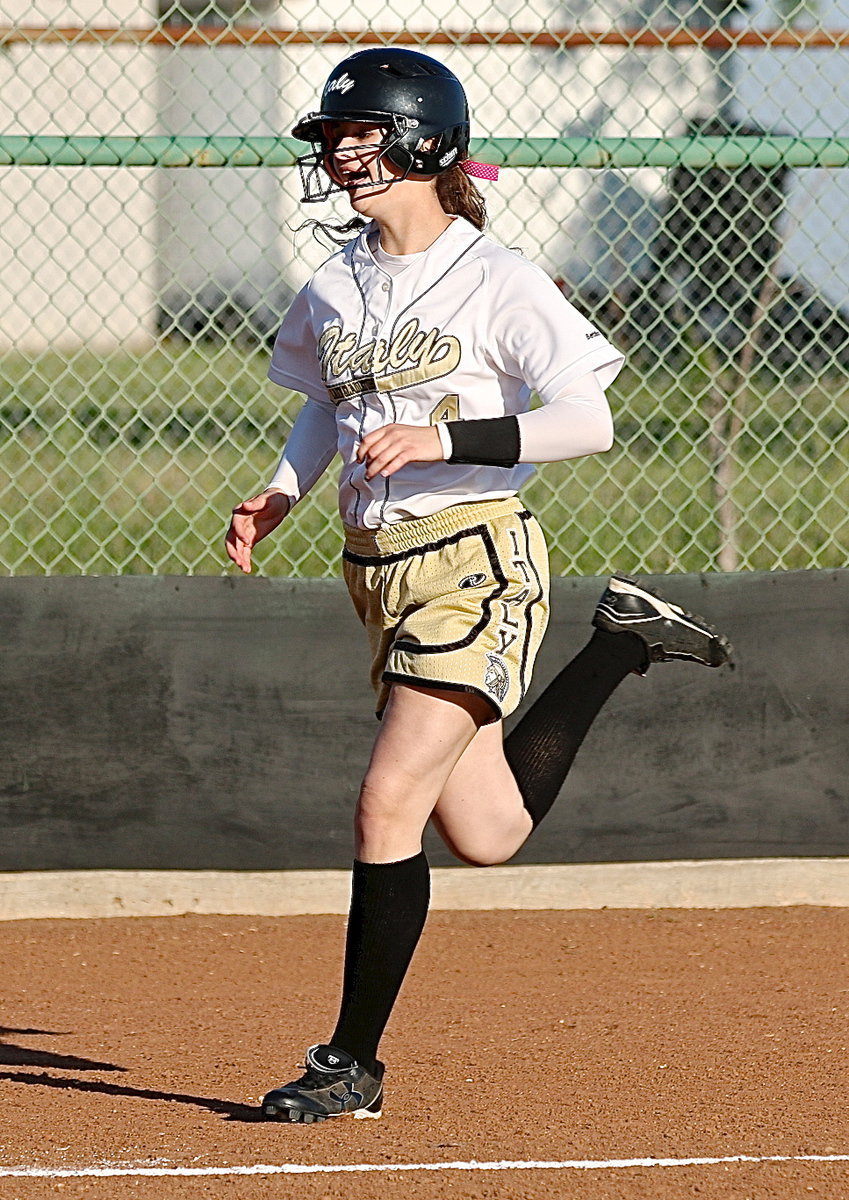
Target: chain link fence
(678, 168)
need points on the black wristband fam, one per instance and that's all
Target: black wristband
(491, 442)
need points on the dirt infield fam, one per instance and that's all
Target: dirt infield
(580, 1040)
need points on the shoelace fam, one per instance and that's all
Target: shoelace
(316, 1078)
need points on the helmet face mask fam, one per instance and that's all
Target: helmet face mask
(420, 103)
(320, 179)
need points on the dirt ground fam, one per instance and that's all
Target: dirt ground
(529, 1037)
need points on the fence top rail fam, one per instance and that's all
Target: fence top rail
(712, 37)
(179, 152)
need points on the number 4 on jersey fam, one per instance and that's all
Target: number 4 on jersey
(448, 409)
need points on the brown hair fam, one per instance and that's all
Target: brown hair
(459, 196)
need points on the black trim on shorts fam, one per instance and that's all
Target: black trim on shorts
(525, 517)
(486, 605)
(440, 685)
(376, 560)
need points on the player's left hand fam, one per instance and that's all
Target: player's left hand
(386, 450)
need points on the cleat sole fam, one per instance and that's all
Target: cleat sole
(375, 1109)
(297, 1116)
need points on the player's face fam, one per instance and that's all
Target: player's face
(353, 156)
(355, 159)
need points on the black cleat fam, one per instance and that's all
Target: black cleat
(668, 631)
(334, 1085)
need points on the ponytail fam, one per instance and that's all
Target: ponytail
(459, 196)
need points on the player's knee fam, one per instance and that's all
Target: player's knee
(484, 848)
(380, 810)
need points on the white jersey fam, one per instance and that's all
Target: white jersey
(468, 330)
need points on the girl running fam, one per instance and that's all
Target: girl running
(418, 347)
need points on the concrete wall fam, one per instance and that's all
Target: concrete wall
(217, 723)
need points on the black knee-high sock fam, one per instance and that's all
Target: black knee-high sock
(542, 747)
(389, 903)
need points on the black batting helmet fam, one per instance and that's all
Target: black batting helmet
(421, 103)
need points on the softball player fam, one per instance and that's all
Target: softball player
(418, 347)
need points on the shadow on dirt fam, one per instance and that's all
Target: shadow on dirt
(228, 1109)
(12, 1055)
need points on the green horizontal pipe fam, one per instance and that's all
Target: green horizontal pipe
(728, 152)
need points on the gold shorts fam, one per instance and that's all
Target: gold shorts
(457, 600)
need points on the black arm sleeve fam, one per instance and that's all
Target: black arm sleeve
(491, 442)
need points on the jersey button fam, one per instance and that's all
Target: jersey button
(384, 287)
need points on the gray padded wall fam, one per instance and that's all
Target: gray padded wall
(224, 723)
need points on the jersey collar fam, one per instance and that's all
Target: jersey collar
(459, 235)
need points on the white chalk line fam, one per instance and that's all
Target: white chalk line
(609, 1164)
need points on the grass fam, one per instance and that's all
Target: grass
(130, 464)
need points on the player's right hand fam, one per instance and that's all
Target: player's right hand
(250, 522)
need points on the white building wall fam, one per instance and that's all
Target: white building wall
(89, 251)
(76, 244)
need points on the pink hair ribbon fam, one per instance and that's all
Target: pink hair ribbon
(480, 170)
